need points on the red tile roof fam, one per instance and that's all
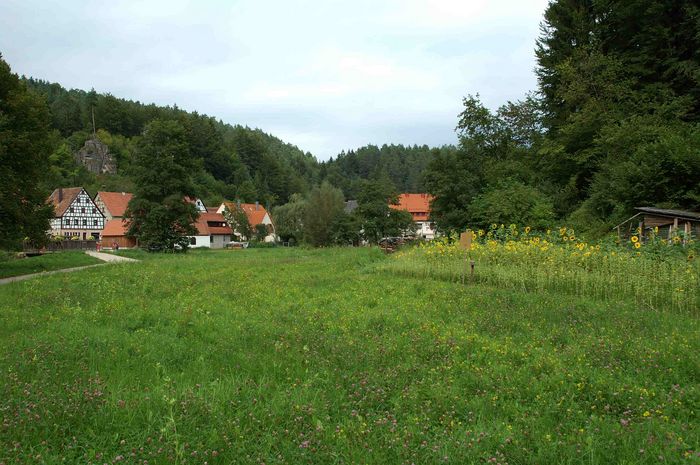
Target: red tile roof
(68, 195)
(255, 212)
(417, 205)
(117, 227)
(207, 224)
(115, 202)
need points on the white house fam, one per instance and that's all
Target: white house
(75, 214)
(256, 214)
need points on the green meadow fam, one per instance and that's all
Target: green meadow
(333, 356)
(11, 266)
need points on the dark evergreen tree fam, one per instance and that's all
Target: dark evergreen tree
(24, 151)
(160, 215)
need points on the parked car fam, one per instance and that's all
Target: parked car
(237, 245)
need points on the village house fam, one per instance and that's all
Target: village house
(418, 205)
(113, 205)
(256, 215)
(212, 231)
(75, 214)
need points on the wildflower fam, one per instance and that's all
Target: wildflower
(637, 245)
(634, 239)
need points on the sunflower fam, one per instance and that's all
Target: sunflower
(527, 229)
(572, 238)
(634, 239)
(637, 245)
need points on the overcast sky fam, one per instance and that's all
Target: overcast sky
(324, 75)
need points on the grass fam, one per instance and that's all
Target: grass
(48, 262)
(324, 356)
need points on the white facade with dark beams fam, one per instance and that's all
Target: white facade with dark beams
(75, 214)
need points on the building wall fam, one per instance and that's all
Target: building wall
(200, 241)
(220, 241)
(123, 241)
(423, 229)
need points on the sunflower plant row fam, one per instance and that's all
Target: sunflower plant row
(659, 273)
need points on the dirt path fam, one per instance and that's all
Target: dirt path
(110, 258)
(105, 257)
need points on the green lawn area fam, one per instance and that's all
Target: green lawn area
(47, 262)
(323, 356)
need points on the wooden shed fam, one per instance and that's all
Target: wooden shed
(669, 223)
(115, 233)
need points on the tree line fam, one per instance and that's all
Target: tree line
(612, 126)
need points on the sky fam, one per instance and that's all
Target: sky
(324, 75)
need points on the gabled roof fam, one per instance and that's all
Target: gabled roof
(116, 227)
(67, 194)
(254, 211)
(671, 213)
(115, 202)
(416, 204)
(206, 224)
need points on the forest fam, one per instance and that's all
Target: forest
(612, 125)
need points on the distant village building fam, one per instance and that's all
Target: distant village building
(113, 205)
(75, 214)
(418, 205)
(256, 215)
(198, 204)
(96, 158)
(212, 231)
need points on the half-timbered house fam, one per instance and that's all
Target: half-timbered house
(75, 214)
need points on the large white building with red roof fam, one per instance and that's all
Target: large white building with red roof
(75, 214)
(418, 205)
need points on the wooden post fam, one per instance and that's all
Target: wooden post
(641, 230)
(686, 230)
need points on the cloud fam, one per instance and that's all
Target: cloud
(325, 75)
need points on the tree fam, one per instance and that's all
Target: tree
(238, 220)
(289, 219)
(160, 215)
(324, 203)
(512, 202)
(24, 151)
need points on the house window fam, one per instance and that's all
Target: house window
(82, 210)
(193, 241)
(94, 222)
(211, 239)
(71, 210)
(84, 222)
(93, 210)
(75, 221)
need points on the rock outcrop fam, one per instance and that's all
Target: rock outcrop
(96, 157)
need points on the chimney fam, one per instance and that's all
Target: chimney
(257, 205)
(60, 194)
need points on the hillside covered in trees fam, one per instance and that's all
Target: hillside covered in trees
(234, 162)
(613, 126)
